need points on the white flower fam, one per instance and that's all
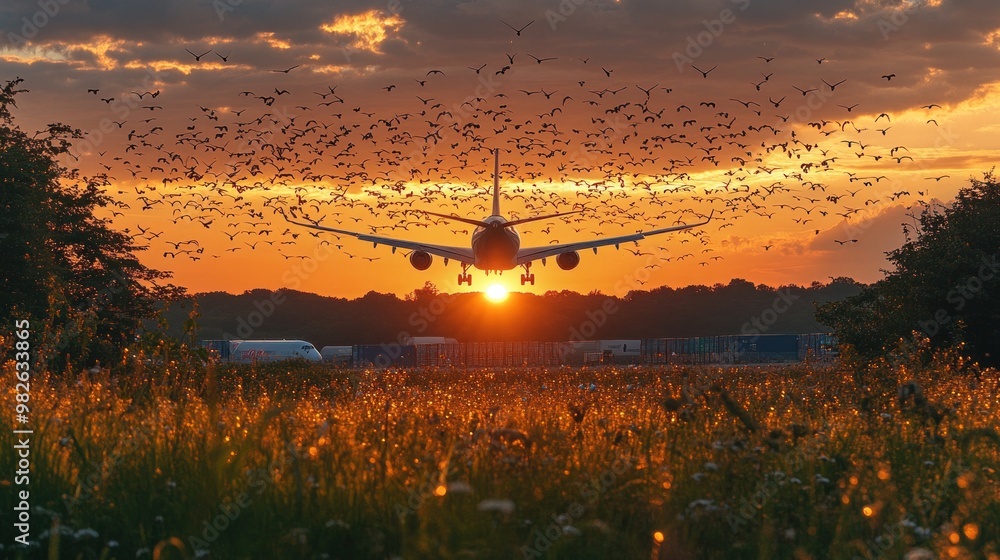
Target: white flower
(459, 487)
(701, 503)
(698, 476)
(918, 554)
(498, 505)
(711, 467)
(85, 534)
(570, 530)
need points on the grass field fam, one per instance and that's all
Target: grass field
(180, 460)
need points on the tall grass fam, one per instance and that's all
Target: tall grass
(802, 461)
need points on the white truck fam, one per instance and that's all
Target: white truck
(337, 354)
(248, 351)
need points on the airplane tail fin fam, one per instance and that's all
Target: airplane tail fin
(496, 182)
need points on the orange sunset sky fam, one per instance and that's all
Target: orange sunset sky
(812, 130)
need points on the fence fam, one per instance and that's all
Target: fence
(738, 349)
(730, 349)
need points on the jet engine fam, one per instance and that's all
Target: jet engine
(420, 260)
(568, 260)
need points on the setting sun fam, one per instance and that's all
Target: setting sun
(496, 293)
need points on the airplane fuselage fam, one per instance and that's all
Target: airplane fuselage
(495, 247)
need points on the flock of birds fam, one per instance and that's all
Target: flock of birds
(626, 155)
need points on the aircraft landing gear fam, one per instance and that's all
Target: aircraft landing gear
(464, 277)
(527, 277)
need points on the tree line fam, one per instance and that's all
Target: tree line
(739, 307)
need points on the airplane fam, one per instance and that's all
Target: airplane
(496, 245)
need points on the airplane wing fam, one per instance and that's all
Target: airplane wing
(529, 254)
(461, 254)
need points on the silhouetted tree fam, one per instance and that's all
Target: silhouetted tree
(64, 268)
(944, 284)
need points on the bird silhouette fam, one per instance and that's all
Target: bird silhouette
(517, 30)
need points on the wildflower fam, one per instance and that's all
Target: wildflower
(85, 534)
(459, 487)
(496, 505)
(918, 554)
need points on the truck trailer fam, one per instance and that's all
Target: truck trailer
(249, 351)
(337, 354)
